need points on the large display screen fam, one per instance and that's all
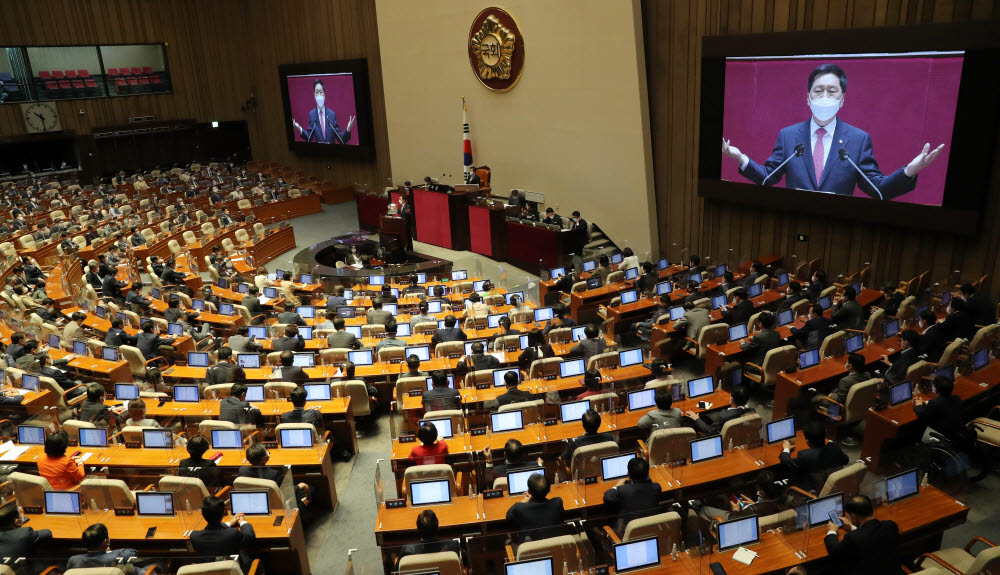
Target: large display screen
(327, 108)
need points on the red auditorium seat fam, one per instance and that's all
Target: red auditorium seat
(78, 83)
(65, 85)
(136, 70)
(90, 83)
(112, 71)
(52, 85)
(147, 70)
(154, 79)
(143, 80)
(57, 74)
(83, 73)
(123, 71)
(71, 73)
(44, 75)
(133, 81)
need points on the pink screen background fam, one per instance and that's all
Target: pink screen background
(339, 90)
(901, 102)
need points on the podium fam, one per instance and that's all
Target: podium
(393, 230)
(442, 218)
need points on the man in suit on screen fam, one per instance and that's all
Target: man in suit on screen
(821, 164)
(323, 127)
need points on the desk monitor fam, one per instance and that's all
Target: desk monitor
(155, 292)
(94, 437)
(376, 280)
(471, 342)
(738, 532)
(664, 288)
(589, 265)
(109, 354)
(100, 311)
(157, 438)
(430, 492)
(720, 270)
(508, 295)
(434, 307)
(696, 278)
(80, 348)
(617, 258)
(737, 332)
(354, 330)
(594, 282)
(854, 343)
(125, 391)
(517, 481)
(701, 386)
(900, 393)
(808, 358)
(719, 301)
(641, 399)
(522, 342)
(631, 273)
(223, 283)
(390, 307)
(197, 359)
(270, 292)
(243, 288)
(257, 331)
(226, 309)
(441, 324)
(577, 332)
(756, 290)
(945, 299)
(249, 503)
(443, 425)
(574, 410)
(30, 435)
(890, 328)
(255, 393)
(825, 302)
(780, 430)
(198, 304)
(557, 273)
(451, 382)
(29, 382)
(62, 502)
(572, 368)
(902, 485)
(629, 357)
(346, 311)
(317, 391)
(946, 371)
(663, 264)
(531, 567)
(421, 351)
(500, 374)
(507, 421)
(186, 393)
(705, 449)
(279, 273)
(785, 317)
(54, 341)
(227, 439)
(176, 329)
(676, 313)
(819, 509)
(543, 314)
(248, 360)
(492, 320)
(305, 279)
(361, 357)
(157, 503)
(980, 359)
(459, 275)
(306, 331)
(304, 359)
(306, 311)
(296, 437)
(637, 554)
(629, 296)
(616, 466)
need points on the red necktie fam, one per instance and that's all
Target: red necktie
(818, 153)
(322, 124)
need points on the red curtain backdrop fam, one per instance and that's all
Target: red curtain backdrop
(339, 89)
(480, 232)
(901, 102)
(433, 219)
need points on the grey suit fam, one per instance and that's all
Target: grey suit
(378, 316)
(849, 316)
(761, 343)
(692, 321)
(589, 348)
(343, 339)
(846, 383)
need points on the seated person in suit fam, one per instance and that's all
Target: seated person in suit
(100, 554)
(810, 466)
(291, 341)
(908, 355)
(93, 409)
(197, 466)
(694, 292)
(591, 345)
(479, 359)
(427, 531)
(756, 348)
(709, 424)
(855, 374)
(449, 332)
(591, 383)
(413, 367)
(137, 415)
(634, 497)
(978, 305)
(422, 316)
(224, 371)
(257, 457)
(288, 372)
(932, 338)
(242, 342)
(817, 285)
(299, 414)
(514, 454)
(252, 302)
(870, 546)
(551, 217)
(327, 322)
(959, 322)
(440, 396)
(385, 294)
(390, 337)
(17, 540)
(337, 299)
(430, 451)
(741, 309)
(591, 425)
(476, 307)
(342, 338)
(236, 409)
(815, 330)
(513, 394)
(291, 317)
(693, 321)
(376, 315)
(536, 349)
(694, 265)
(847, 312)
(536, 516)
(559, 320)
(117, 336)
(943, 414)
(603, 268)
(893, 297)
(664, 416)
(149, 343)
(644, 329)
(768, 501)
(221, 539)
(63, 473)
(58, 375)
(793, 294)
(648, 280)
(516, 199)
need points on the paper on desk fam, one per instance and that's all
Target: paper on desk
(263, 299)
(5, 446)
(14, 453)
(86, 456)
(19, 391)
(744, 556)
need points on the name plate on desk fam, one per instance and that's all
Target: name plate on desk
(169, 371)
(620, 409)
(133, 444)
(416, 393)
(124, 511)
(493, 494)
(454, 355)
(407, 438)
(476, 432)
(32, 509)
(550, 377)
(483, 385)
(602, 570)
(590, 480)
(551, 422)
(395, 503)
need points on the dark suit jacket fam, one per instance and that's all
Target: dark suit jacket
(530, 354)
(21, 541)
(588, 348)
(293, 373)
(633, 500)
(291, 317)
(959, 324)
(514, 396)
(147, 343)
(252, 304)
(838, 176)
(814, 461)
(981, 309)
(313, 133)
(871, 549)
(235, 411)
(892, 303)
(300, 415)
(739, 313)
(481, 361)
(942, 414)
(709, 424)
(94, 411)
(448, 334)
(343, 339)
(586, 439)
(532, 516)
(846, 383)
(285, 343)
(932, 342)
(224, 372)
(117, 337)
(761, 343)
(897, 371)
(849, 316)
(219, 540)
(813, 332)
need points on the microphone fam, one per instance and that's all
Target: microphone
(799, 150)
(844, 155)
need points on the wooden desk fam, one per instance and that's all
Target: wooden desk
(442, 219)
(266, 249)
(488, 231)
(533, 248)
(281, 210)
(370, 209)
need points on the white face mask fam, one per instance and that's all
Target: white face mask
(320, 100)
(824, 108)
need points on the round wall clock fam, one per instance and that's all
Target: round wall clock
(40, 117)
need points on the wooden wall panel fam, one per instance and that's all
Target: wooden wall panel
(673, 30)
